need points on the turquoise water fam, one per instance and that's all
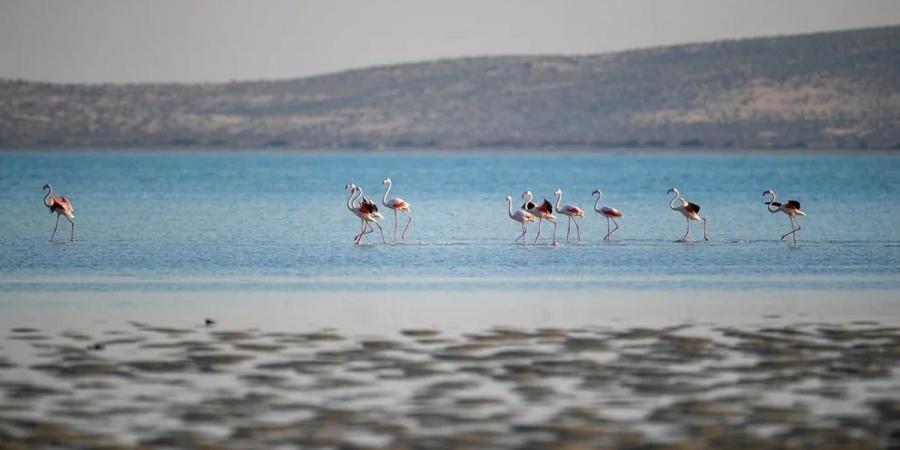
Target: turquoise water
(272, 220)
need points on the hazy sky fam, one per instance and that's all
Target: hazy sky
(215, 40)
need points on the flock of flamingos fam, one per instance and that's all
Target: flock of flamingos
(367, 211)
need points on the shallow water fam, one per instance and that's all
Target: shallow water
(273, 220)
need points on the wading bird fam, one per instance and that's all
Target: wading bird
(791, 208)
(62, 207)
(690, 211)
(397, 204)
(366, 210)
(609, 212)
(521, 216)
(542, 211)
(571, 211)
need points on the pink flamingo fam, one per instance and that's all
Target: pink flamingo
(397, 204)
(521, 216)
(542, 211)
(571, 211)
(366, 210)
(690, 211)
(62, 207)
(609, 212)
(791, 208)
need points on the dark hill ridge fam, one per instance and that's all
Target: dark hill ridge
(825, 90)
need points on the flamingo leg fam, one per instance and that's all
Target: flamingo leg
(403, 236)
(569, 229)
(382, 232)
(616, 228)
(793, 231)
(395, 224)
(72, 236)
(524, 230)
(358, 236)
(577, 229)
(607, 229)
(55, 227)
(540, 222)
(554, 231)
(705, 237)
(686, 233)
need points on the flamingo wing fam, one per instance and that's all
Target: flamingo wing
(546, 207)
(62, 204)
(611, 212)
(793, 204)
(398, 203)
(693, 207)
(574, 210)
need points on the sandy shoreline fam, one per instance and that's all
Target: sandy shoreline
(537, 369)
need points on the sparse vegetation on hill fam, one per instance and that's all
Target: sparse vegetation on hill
(826, 90)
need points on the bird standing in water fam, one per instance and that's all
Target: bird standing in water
(571, 211)
(791, 208)
(62, 207)
(521, 216)
(542, 211)
(397, 204)
(609, 212)
(690, 211)
(366, 210)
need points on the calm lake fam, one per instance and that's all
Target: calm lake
(278, 221)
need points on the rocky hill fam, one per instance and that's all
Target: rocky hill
(826, 90)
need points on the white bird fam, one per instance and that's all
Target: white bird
(62, 207)
(609, 212)
(791, 208)
(366, 210)
(397, 204)
(690, 211)
(542, 211)
(571, 211)
(520, 216)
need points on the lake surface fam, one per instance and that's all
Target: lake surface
(278, 221)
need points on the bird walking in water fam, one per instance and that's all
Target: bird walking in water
(521, 216)
(690, 211)
(542, 211)
(609, 212)
(571, 211)
(791, 208)
(366, 210)
(62, 207)
(397, 204)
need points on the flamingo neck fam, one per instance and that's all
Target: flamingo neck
(509, 202)
(672, 203)
(47, 196)
(769, 206)
(558, 200)
(529, 197)
(350, 198)
(384, 199)
(596, 203)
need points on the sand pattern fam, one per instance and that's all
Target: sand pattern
(691, 386)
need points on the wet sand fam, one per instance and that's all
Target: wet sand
(540, 369)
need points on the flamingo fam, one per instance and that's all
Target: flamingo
(62, 207)
(542, 211)
(791, 208)
(571, 211)
(690, 211)
(396, 204)
(366, 210)
(609, 212)
(522, 216)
